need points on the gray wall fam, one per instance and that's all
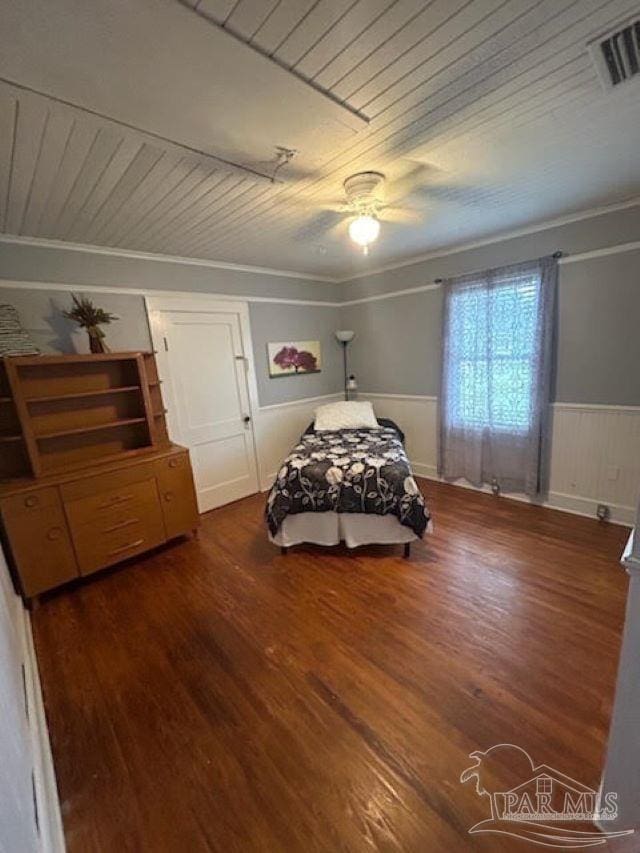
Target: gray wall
(598, 338)
(396, 349)
(397, 344)
(274, 322)
(41, 310)
(41, 315)
(598, 232)
(20, 262)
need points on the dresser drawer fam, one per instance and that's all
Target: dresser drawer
(30, 503)
(41, 548)
(87, 487)
(106, 507)
(177, 494)
(97, 549)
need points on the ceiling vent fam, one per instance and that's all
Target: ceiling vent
(617, 55)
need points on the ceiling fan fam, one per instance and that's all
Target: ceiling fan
(369, 201)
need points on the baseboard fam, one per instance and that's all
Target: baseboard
(267, 481)
(623, 515)
(424, 470)
(46, 791)
(574, 504)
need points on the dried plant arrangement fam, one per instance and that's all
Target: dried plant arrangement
(91, 318)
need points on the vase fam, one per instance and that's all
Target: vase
(96, 340)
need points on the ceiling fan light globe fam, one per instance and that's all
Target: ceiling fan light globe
(364, 230)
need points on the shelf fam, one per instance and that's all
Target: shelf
(91, 428)
(75, 395)
(12, 437)
(77, 358)
(70, 467)
(6, 399)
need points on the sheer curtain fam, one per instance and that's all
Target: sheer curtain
(496, 374)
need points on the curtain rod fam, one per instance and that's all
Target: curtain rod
(556, 256)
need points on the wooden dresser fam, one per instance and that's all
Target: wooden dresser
(88, 475)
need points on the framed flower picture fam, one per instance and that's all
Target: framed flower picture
(292, 358)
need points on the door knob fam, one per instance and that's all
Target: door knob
(246, 419)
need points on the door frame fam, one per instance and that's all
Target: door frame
(157, 305)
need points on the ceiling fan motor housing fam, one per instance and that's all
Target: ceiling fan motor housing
(361, 190)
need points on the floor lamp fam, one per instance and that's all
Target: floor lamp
(344, 337)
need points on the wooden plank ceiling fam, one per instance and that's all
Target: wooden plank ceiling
(491, 109)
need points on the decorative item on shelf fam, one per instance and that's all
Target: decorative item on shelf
(89, 317)
(345, 336)
(294, 358)
(14, 340)
(352, 387)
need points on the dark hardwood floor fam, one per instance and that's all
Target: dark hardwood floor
(217, 695)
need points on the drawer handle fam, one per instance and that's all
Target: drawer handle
(168, 496)
(31, 501)
(173, 463)
(126, 547)
(119, 499)
(122, 524)
(54, 534)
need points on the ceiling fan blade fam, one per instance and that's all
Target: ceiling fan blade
(323, 222)
(402, 215)
(408, 184)
(341, 228)
(336, 204)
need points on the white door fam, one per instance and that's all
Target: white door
(203, 352)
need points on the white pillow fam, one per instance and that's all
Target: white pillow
(346, 415)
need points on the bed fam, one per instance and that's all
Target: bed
(350, 484)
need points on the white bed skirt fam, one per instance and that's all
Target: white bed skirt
(352, 528)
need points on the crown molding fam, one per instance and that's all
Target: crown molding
(497, 238)
(125, 290)
(87, 248)
(391, 294)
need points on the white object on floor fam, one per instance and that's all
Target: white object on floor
(347, 414)
(354, 529)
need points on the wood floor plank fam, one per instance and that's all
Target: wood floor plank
(218, 696)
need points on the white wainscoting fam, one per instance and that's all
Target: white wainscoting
(278, 428)
(595, 455)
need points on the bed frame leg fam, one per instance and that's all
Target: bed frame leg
(407, 550)
(283, 550)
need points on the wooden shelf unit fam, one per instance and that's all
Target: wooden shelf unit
(88, 476)
(70, 410)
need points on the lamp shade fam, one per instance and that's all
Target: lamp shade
(344, 336)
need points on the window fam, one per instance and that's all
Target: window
(495, 384)
(492, 346)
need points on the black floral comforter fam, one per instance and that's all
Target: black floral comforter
(350, 470)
